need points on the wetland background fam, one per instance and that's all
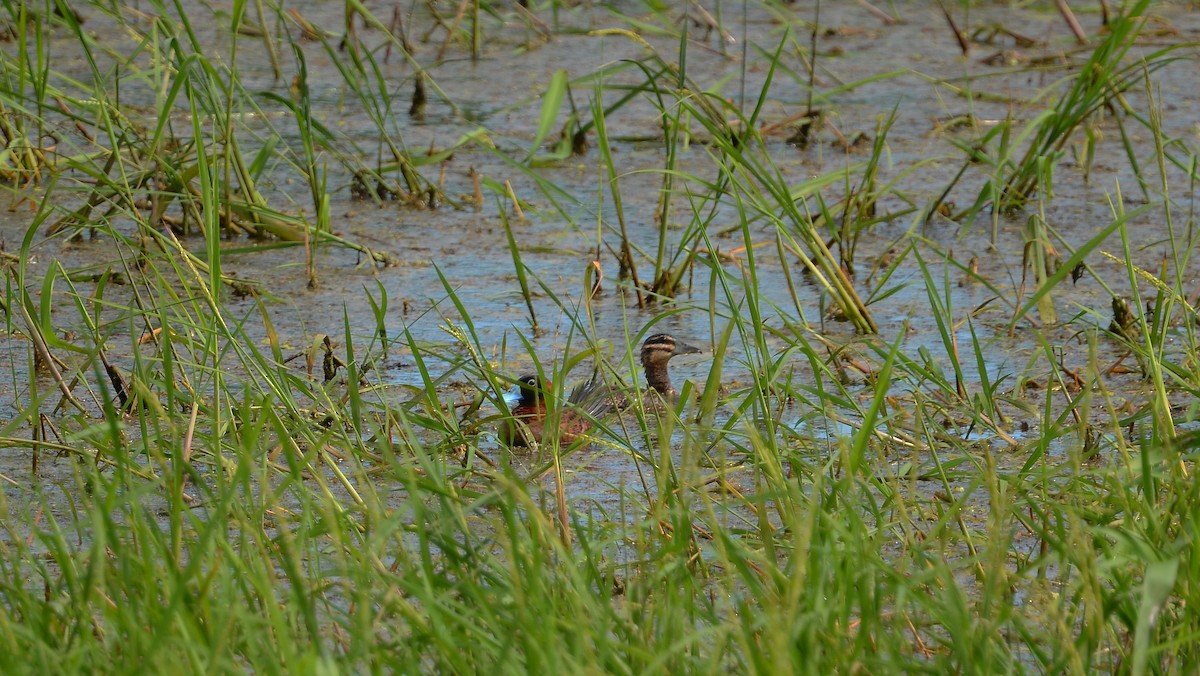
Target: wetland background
(269, 270)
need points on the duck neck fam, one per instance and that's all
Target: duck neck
(657, 377)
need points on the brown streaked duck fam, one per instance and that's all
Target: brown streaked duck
(657, 352)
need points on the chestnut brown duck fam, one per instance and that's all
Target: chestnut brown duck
(526, 426)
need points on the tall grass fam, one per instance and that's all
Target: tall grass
(185, 488)
(1102, 80)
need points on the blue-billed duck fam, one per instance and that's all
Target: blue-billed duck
(588, 401)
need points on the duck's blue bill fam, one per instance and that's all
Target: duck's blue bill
(512, 396)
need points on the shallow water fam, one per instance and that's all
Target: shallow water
(501, 92)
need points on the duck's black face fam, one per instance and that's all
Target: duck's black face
(526, 393)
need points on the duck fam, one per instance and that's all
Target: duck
(657, 351)
(526, 425)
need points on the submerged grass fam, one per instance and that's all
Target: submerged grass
(185, 490)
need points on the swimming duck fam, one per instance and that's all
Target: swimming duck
(588, 401)
(657, 351)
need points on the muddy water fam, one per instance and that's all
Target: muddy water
(906, 67)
